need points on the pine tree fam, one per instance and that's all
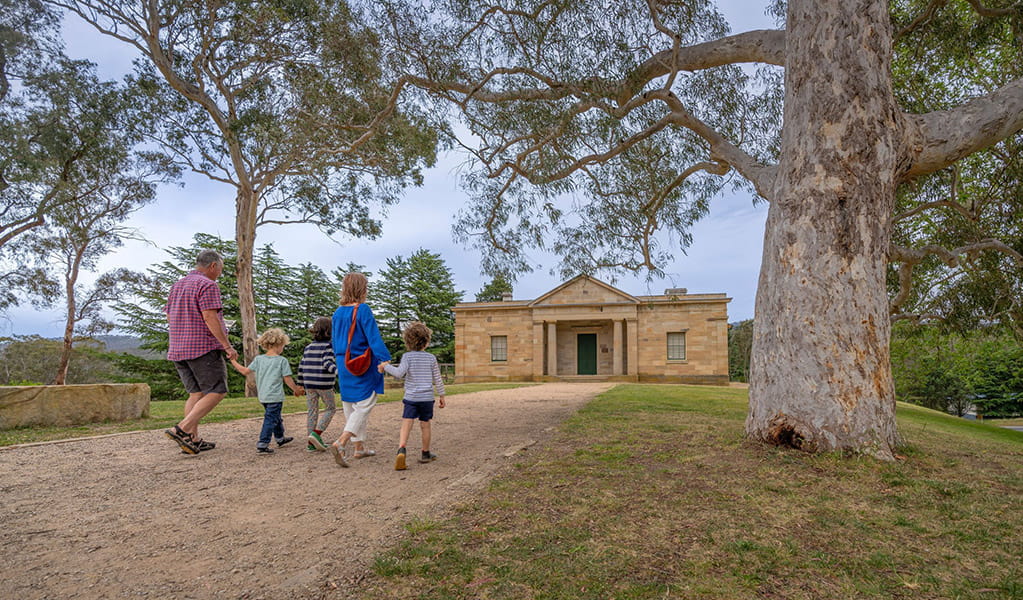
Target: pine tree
(392, 303)
(433, 296)
(496, 289)
(418, 288)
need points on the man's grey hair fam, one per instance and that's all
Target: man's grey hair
(208, 258)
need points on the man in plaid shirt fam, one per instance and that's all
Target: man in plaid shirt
(198, 339)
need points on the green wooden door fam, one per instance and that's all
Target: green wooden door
(587, 343)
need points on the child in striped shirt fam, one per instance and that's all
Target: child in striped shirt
(318, 372)
(422, 377)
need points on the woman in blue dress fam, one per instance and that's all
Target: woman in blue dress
(354, 321)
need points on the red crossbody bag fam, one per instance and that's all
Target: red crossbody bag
(360, 364)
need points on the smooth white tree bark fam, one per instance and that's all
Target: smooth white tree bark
(820, 373)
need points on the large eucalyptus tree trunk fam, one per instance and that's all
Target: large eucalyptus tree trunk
(820, 374)
(245, 238)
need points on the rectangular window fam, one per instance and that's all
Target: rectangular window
(499, 348)
(677, 345)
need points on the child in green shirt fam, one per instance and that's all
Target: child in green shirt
(270, 370)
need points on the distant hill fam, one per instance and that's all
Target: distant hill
(127, 344)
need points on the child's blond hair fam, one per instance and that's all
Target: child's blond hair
(416, 336)
(273, 337)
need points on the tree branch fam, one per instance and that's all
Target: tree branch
(995, 12)
(761, 46)
(950, 204)
(938, 139)
(765, 46)
(923, 17)
(911, 257)
(762, 176)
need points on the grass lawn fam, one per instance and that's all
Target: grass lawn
(165, 414)
(651, 492)
(1003, 422)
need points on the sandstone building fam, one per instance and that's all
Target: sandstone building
(586, 328)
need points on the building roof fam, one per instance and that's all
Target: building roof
(611, 295)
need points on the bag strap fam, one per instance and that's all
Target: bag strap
(351, 331)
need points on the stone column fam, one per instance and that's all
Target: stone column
(632, 352)
(616, 348)
(552, 348)
(537, 350)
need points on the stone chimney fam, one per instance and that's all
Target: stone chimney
(675, 292)
(506, 297)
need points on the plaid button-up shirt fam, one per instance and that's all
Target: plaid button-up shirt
(189, 336)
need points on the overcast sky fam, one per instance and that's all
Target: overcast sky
(724, 256)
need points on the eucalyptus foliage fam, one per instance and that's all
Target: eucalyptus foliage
(608, 184)
(958, 239)
(28, 40)
(293, 103)
(70, 149)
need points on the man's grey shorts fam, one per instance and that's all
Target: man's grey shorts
(206, 374)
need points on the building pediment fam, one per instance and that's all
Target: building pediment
(584, 290)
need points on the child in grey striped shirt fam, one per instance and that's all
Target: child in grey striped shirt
(422, 376)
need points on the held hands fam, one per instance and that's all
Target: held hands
(300, 391)
(380, 367)
(232, 354)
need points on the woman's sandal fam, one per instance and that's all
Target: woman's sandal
(365, 453)
(339, 454)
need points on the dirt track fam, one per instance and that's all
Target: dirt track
(129, 516)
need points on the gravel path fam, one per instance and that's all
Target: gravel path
(129, 516)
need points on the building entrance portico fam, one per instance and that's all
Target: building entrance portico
(584, 347)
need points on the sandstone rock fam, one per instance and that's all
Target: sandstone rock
(64, 405)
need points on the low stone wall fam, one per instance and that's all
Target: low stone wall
(65, 405)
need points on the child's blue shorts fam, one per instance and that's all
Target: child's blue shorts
(417, 410)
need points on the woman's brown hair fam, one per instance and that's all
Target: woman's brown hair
(353, 288)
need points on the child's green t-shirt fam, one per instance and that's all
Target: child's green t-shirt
(270, 372)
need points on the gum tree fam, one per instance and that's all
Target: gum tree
(109, 179)
(290, 103)
(639, 109)
(56, 142)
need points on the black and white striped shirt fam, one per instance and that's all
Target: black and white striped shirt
(318, 371)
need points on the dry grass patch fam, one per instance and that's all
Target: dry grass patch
(651, 492)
